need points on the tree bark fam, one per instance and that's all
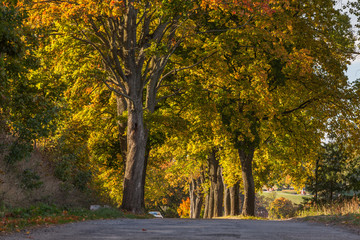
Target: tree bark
(234, 200)
(133, 195)
(316, 180)
(211, 202)
(218, 193)
(216, 190)
(227, 201)
(206, 209)
(196, 198)
(246, 158)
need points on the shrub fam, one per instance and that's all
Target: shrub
(184, 209)
(282, 208)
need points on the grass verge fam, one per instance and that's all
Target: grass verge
(17, 219)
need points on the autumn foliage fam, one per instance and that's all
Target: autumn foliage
(184, 209)
(141, 95)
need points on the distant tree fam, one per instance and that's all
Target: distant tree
(336, 174)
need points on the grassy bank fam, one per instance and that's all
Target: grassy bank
(17, 219)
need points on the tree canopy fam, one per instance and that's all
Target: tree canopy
(211, 97)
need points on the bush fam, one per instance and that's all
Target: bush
(184, 209)
(282, 208)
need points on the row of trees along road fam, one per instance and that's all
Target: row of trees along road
(229, 86)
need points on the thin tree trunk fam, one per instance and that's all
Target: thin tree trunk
(206, 209)
(316, 180)
(211, 202)
(234, 200)
(218, 194)
(227, 201)
(246, 157)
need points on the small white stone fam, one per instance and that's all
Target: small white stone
(94, 207)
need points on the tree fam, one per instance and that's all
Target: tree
(26, 109)
(134, 40)
(278, 83)
(336, 174)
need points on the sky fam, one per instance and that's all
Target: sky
(353, 71)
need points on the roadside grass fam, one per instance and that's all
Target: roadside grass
(17, 219)
(345, 213)
(291, 195)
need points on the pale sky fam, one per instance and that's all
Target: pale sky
(353, 71)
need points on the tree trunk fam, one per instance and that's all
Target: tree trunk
(211, 202)
(218, 194)
(246, 158)
(206, 209)
(227, 201)
(316, 180)
(234, 200)
(196, 198)
(133, 195)
(216, 191)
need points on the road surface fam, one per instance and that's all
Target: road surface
(177, 229)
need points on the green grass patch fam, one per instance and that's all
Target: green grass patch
(295, 198)
(16, 219)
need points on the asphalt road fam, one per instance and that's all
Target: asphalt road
(186, 229)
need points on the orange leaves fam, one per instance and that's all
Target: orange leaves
(48, 12)
(243, 7)
(184, 209)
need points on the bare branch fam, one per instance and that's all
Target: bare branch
(115, 90)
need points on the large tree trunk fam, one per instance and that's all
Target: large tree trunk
(246, 158)
(133, 195)
(196, 198)
(234, 200)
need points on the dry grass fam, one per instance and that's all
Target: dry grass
(345, 213)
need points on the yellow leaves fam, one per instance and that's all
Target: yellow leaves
(300, 63)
